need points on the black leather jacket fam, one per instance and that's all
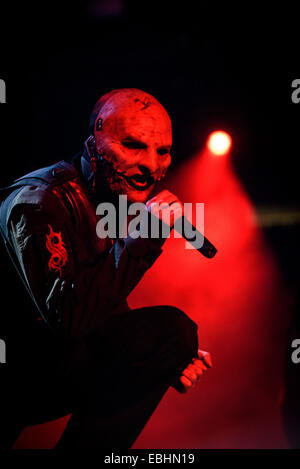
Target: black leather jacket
(76, 280)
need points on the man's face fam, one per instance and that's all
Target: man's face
(136, 138)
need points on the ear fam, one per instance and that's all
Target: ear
(98, 125)
(90, 146)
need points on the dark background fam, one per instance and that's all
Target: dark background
(211, 71)
(211, 68)
(57, 63)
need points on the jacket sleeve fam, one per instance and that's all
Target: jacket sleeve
(74, 298)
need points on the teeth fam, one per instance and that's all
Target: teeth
(139, 183)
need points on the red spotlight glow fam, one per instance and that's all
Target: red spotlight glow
(219, 142)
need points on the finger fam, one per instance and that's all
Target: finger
(177, 213)
(171, 199)
(170, 217)
(198, 371)
(188, 373)
(197, 368)
(200, 364)
(161, 196)
(156, 207)
(154, 200)
(164, 196)
(186, 382)
(161, 204)
(205, 357)
(165, 212)
(165, 193)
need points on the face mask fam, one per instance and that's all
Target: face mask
(133, 138)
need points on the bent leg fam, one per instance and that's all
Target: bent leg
(135, 358)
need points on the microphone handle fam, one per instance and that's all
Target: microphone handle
(207, 249)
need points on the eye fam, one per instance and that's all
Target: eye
(133, 144)
(163, 151)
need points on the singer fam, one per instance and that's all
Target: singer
(73, 344)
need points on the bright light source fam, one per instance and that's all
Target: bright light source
(219, 142)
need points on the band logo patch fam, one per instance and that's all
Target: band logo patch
(56, 247)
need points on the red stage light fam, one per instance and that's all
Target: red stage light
(219, 142)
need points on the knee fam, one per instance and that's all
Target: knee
(184, 329)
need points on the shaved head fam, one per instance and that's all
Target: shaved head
(133, 133)
(115, 99)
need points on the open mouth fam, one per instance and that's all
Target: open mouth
(139, 181)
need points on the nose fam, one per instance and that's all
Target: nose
(150, 164)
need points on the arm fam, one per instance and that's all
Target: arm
(75, 298)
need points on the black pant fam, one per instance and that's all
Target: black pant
(111, 381)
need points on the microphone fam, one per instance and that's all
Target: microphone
(207, 249)
(185, 228)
